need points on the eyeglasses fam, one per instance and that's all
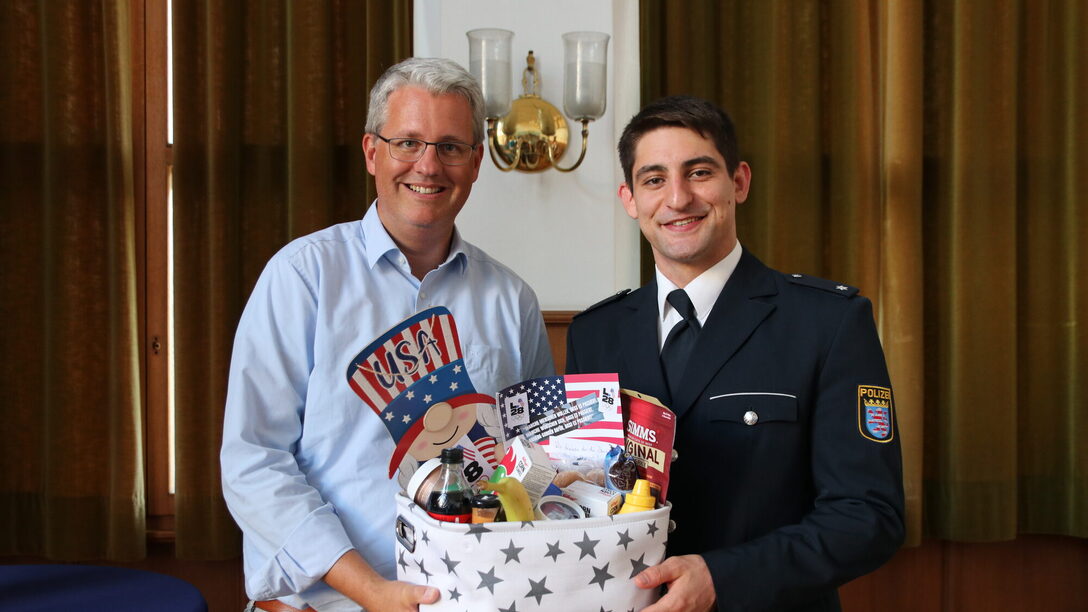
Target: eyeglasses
(412, 149)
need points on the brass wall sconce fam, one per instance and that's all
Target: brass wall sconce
(530, 134)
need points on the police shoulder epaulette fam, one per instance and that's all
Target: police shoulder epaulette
(822, 283)
(608, 300)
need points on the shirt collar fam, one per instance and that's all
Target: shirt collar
(703, 290)
(380, 244)
(458, 252)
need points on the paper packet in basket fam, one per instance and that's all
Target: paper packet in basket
(576, 564)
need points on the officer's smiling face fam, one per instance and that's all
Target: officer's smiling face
(684, 200)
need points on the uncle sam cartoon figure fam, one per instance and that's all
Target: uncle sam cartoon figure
(414, 379)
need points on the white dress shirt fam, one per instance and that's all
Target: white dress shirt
(703, 291)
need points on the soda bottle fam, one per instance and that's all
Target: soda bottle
(449, 499)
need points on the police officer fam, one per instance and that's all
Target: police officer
(788, 481)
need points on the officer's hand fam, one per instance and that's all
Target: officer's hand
(690, 586)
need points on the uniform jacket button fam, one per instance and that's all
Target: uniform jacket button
(751, 418)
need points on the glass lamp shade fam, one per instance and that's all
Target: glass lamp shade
(585, 74)
(489, 62)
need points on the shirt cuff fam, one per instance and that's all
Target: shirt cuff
(307, 555)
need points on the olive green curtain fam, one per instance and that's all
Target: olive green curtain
(931, 153)
(1006, 149)
(269, 109)
(71, 478)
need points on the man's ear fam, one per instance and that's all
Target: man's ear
(370, 150)
(477, 159)
(742, 181)
(628, 200)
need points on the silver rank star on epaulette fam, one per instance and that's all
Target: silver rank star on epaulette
(821, 283)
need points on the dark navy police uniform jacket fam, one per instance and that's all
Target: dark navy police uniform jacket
(788, 478)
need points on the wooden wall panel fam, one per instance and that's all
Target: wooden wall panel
(909, 582)
(556, 322)
(1038, 573)
(1029, 574)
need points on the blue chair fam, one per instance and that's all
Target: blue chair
(48, 587)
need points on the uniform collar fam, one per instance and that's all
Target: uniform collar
(703, 290)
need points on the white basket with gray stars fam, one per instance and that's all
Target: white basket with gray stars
(576, 565)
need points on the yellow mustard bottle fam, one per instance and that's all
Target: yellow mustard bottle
(640, 498)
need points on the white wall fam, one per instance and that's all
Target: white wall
(564, 233)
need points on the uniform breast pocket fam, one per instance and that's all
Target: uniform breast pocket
(752, 409)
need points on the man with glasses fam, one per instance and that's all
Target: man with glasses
(304, 460)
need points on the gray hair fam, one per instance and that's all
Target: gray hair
(436, 75)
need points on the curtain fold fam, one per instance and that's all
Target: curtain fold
(72, 482)
(269, 108)
(930, 153)
(901, 278)
(1052, 260)
(970, 209)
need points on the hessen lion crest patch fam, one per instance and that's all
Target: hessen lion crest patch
(875, 409)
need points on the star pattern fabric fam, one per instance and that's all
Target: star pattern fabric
(637, 566)
(554, 551)
(587, 546)
(538, 589)
(601, 576)
(625, 538)
(531, 567)
(511, 552)
(451, 565)
(478, 530)
(488, 580)
(424, 572)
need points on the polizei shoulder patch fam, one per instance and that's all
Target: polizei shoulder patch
(875, 413)
(821, 283)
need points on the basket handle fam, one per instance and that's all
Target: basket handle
(406, 533)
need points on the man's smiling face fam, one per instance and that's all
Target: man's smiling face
(422, 198)
(684, 200)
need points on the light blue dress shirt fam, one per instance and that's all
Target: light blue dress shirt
(305, 461)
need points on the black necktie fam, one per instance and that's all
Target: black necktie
(681, 339)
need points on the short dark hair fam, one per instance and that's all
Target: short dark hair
(697, 114)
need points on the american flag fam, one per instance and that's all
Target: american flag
(483, 449)
(532, 400)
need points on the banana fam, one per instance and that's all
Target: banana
(513, 497)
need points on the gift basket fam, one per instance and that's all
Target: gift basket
(551, 494)
(574, 564)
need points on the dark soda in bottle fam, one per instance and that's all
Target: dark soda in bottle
(449, 499)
